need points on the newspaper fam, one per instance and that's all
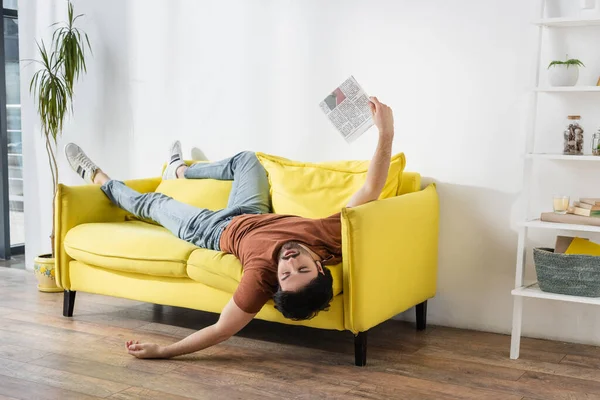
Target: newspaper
(347, 107)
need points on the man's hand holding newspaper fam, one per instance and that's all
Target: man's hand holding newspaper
(383, 118)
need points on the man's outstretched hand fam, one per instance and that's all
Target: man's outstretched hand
(144, 350)
(383, 117)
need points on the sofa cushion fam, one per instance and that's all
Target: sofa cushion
(224, 271)
(131, 246)
(215, 269)
(318, 190)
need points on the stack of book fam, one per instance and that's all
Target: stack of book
(587, 208)
(586, 211)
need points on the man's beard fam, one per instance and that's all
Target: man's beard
(291, 246)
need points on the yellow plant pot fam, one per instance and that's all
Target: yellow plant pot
(44, 270)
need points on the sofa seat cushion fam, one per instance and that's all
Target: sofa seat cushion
(215, 269)
(130, 246)
(224, 271)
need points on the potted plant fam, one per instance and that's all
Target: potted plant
(564, 73)
(52, 90)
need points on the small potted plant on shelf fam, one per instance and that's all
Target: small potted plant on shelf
(52, 90)
(564, 73)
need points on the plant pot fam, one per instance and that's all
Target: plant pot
(44, 270)
(563, 75)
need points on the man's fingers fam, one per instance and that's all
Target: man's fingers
(135, 353)
(375, 102)
(372, 107)
(136, 347)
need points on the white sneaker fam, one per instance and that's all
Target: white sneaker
(175, 161)
(81, 163)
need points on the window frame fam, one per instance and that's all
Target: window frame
(6, 250)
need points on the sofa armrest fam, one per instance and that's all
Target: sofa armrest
(390, 252)
(76, 205)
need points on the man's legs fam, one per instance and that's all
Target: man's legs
(196, 225)
(250, 189)
(249, 195)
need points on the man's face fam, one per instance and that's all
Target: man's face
(296, 268)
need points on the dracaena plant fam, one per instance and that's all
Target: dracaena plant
(60, 65)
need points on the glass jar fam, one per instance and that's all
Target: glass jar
(573, 136)
(596, 143)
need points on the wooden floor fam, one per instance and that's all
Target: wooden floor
(46, 356)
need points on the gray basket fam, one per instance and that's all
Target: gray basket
(573, 274)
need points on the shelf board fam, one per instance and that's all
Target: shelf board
(562, 157)
(537, 224)
(535, 291)
(574, 89)
(567, 22)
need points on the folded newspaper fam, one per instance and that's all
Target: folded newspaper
(347, 107)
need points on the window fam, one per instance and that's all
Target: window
(11, 205)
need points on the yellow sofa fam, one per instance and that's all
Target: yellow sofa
(389, 247)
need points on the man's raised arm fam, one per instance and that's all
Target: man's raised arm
(380, 163)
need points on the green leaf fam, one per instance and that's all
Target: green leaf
(60, 65)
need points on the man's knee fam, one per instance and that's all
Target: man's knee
(247, 155)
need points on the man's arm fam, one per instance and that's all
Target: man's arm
(231, 321)
(380, 163)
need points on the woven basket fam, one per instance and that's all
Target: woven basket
(573, 274)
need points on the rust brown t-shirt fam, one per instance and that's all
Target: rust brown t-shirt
(256, 241)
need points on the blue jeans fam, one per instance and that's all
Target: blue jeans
(201, 227)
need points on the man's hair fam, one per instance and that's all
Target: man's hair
(308, 301)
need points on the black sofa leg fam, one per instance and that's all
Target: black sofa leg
(68, 303)
(360, 349)
(422, 316)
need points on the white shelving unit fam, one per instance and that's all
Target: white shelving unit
(561, 157)
(521, 289)
(537, 224)
(567, 22)
(574, 89)
(534, 291)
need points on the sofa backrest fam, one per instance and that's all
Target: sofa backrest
(312, 190)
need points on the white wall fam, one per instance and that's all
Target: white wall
(225, 76)
(102, 109)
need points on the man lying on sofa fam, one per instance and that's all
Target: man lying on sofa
(283, 257)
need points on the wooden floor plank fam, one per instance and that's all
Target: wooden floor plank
(93, 369)
(17, 353)
(60, 379)
(74, 324)
(581, 361)
(534, 379)
(382, 387)
(135, 393)
(23, 389)
(497, 346)
(269, 386)
(462, 367)
(465, 354)
(527, 344)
